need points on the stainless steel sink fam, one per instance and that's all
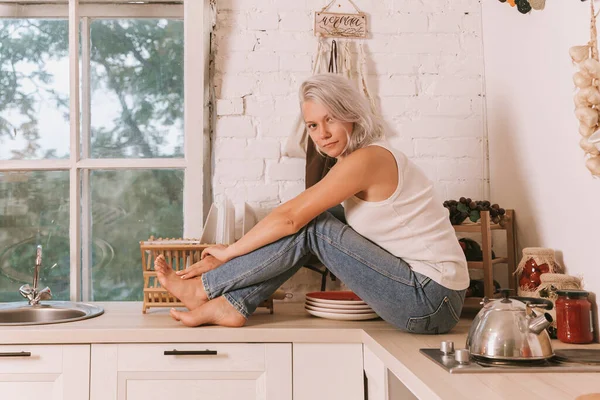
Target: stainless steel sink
(48, 312)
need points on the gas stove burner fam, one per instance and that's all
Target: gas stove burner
(581, 356)
(450, 361)
(486, 362)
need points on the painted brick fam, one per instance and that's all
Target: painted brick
(239, 170)
(417, 43)
(395, 85)
(287, 42)
(289, 190)
(262, 192)
(259, 106)
(263, 149)
(447, 22)
(455, 106)
(229, 148)
(298, 21)
(275, 84)
(234, 127)
(467, 188)
(428, 166)
(459, 147)
(452, 169)
(298, 5)
(263, 21)
(244, 4)
(394, 23)
(442, 126)
(290, 169)
(471, 23)
(276, 127)
(235, 41)
(262, 62)
(296, 63)
(232, 19)
(450, 86)
(390, 63)
(460, 65)
(471, 44)
(287, 106)
(234, 85)
(405, 145)
(230, 106)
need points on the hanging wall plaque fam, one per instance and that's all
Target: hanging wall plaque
(330, 24)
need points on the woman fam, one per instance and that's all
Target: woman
(398, 252)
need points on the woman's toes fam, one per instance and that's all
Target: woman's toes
(175, 314)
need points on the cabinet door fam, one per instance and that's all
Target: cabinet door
(57, 372)
(328, 371)
(376, 375)
(191, 371)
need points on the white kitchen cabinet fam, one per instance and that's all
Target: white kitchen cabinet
(34, 372)
(377, 376)
(191, 371)
(328, 371)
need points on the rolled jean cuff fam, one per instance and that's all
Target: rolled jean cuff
(238, 307)
(206, 288)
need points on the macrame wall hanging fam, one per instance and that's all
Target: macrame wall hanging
(587, 97)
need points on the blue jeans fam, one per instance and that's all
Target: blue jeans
(406, 299)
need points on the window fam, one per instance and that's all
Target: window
(97, 148)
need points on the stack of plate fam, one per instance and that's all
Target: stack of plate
(344, 305)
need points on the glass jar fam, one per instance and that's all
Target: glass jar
(574, 316)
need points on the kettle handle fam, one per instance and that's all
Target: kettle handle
(535, 301)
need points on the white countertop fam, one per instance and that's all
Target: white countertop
(124, 323)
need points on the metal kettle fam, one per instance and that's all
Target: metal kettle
(508, 329)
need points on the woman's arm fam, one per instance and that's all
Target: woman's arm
(351, 175)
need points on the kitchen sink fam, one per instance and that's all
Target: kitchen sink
(48, 312)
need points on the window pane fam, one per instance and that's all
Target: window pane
(127, 207)
(34, 89)
(34, 210)
(137, 88)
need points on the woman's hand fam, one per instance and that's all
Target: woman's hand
(220, 251)
(199, 268)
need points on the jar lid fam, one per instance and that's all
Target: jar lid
(572, 293)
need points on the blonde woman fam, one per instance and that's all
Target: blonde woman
(398, 250)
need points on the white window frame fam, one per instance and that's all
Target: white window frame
(195, 162)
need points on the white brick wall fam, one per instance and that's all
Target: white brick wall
(425, 67)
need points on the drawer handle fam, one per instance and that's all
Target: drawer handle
(190, 352)
(19, 354)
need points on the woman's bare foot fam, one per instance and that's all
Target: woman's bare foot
(217, 312)
(190, 292)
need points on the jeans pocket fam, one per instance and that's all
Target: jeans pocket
(441, 320)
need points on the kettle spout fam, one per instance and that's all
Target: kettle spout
(538, 324)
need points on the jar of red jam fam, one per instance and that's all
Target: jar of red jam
(574, 316)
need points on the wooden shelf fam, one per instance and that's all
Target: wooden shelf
(479, 264)
(477, 227)
(485, 228)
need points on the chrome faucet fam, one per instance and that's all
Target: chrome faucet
(31, 293)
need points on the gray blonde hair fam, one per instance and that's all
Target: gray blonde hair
(345, 103)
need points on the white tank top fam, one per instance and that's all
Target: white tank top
(412, 224)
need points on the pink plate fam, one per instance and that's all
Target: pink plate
(337, 297)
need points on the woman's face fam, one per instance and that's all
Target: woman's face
(329, 134)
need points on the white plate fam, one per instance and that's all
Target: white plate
(335, 311)
(343, 317)
(327, 301)
(339, 306)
